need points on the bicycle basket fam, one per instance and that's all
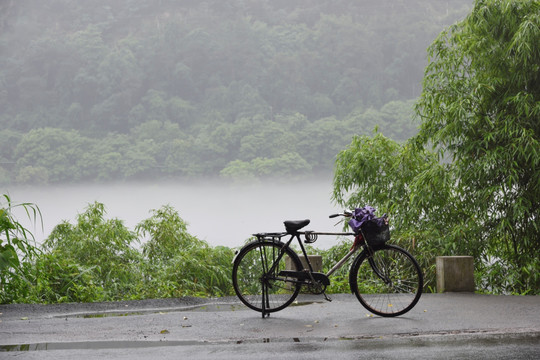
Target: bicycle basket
(376, 231)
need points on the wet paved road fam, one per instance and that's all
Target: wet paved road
(457, 326)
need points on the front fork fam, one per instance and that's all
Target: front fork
(380, 273)
(368, 253)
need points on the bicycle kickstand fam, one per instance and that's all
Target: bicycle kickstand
(326, 297)
(264, 302)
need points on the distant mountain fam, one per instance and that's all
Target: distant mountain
(97, 90)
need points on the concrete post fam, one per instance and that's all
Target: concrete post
(315, 260)
(455, 274)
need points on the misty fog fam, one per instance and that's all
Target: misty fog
(123, 91)
(129, 90)
(218, 213)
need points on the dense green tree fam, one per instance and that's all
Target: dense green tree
(229, 75)
(477, 193)
(10, 139)
(166, 234)
(57, 151)
(159, 138)
(287, 167)
(416, 191)
(239, 171)
(180, 159)
(321, 140)
(397, 120)
(178, 262)
(104, 161)
(378, 171)
(481, 107)
(268, 140)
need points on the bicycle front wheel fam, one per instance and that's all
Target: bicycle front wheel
(388, 283)
(259, 288)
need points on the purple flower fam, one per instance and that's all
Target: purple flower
(360, 216)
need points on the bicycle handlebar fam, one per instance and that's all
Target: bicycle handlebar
(345, 213)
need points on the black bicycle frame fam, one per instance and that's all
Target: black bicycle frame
(273, 236)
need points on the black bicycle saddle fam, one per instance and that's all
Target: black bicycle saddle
(292, 226)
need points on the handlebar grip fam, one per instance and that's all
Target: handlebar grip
(334, 215)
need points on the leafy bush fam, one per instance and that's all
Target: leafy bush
(17, 250)
(179, 264)
(57, 279)
(339, 282)
(105, 246)
(95, 260)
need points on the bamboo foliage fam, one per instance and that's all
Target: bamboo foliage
(468, 183)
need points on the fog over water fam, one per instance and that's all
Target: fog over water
(221, 214)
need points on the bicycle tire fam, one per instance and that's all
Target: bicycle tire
(398, 286)
(251, 263)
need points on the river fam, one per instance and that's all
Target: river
(221, 214)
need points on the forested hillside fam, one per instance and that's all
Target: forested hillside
(135, 89)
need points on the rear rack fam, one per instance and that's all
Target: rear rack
(270, 236)
(309, 236)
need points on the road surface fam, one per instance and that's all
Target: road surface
(456, 326)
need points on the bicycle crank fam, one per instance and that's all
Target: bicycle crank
(316, 288)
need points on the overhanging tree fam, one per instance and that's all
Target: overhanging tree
(480, 107)
(480, 111)
(413, 188)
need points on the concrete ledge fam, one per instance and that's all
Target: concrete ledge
(315, 260)
(455, 274)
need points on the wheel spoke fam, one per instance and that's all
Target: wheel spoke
(258, 287)
(389, 283)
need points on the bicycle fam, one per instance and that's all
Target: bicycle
(268, 275)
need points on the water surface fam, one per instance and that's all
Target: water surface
(221, 214)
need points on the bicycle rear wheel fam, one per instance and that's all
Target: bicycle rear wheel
(389, 283)
(258, 288)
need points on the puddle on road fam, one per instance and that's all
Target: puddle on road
(304, 303)
(199, 308)
(102, 315)
(93, 345)
(96, 345)
(141, 344)
(218, 307)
